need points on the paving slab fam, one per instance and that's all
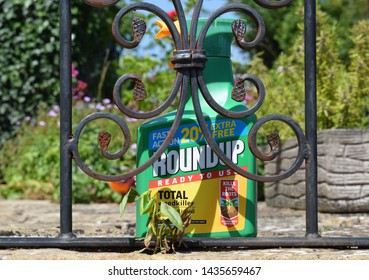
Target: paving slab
(20, 218)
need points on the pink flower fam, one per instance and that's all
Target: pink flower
(248, 98)
(81, 85)
(41, 123)
(74, 71)
(80, 90)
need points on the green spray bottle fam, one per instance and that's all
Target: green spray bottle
(224, 203)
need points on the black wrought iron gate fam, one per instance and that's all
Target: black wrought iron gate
(190, 71)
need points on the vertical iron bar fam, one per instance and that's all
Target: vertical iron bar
(311, 120)
(65, 120)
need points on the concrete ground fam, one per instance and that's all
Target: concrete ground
(41, 219)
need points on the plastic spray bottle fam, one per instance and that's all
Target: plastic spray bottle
(224, 203)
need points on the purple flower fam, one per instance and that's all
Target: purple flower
(52, 113)
(41, 123)
(133, 149)
(128, 119)
(106, 101)
(86, 99)
(56, 108)
(100, 107)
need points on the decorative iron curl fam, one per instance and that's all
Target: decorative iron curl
(139, 26)
(139, 94)
(274, 144)
(273, 140)
(239, 84)
(189, 61)
(104, 139)
(237, 27)
(239, 93)
(239, 30)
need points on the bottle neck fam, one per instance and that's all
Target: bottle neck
(217, 74)
(218, 70)
(218, 77)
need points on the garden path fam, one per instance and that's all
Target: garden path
(41, 218)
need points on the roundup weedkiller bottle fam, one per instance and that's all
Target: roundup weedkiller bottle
(224, 203)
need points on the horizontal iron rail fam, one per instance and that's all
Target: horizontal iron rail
(131, 244)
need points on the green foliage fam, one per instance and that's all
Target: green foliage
(347, 13)
(342, 91)
(30, 163)
(357, 82)
(155, 74)
(28, 58)
(279, 33)
(282, 25)
(94, 48)
(29, 55)
(164, 222)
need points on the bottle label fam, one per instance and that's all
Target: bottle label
(189, 172)
(218, 197)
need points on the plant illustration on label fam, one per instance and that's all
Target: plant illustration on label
(229, 202)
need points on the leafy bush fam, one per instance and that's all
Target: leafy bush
(30, 163)
(281, 25)
(29, 54)
(28, 59)
(158, 80)
(342, 90)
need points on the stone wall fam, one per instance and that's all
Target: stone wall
(343, 173)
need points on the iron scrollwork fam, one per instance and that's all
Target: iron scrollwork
(189, 60)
